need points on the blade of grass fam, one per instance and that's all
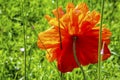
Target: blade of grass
(24, 32)
(100, 42)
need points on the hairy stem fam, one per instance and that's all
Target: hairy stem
(75, 57)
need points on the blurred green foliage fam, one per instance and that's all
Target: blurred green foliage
(17, 14)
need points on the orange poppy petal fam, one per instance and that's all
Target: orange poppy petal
(93, 17)
(51, 56)
(48, 39)
(95, 32)
(60, 11)
(69, 6)
(53, 22)
(90, 21)
(65, 58)
(81, 8)
(70, 19)
(106, 33)
(48, 17)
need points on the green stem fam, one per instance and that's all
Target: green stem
(100, 41)
(25, 50)
(61, 76)
(75, 57)
(24, 32)
(72, 1)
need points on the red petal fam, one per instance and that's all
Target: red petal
(65, 58)
(89, 49)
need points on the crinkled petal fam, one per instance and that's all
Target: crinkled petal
(93, 17)
(48, 38)
(58, 11)
(89, 49)
(48, 17)
(106, 34)
(65, 58)
(81, 8)
(51, 55)
(69, 7)
(87, 45)
(53, 22)
(74, 14)
(94, 32)
(89, 21)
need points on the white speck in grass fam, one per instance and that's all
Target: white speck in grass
(21, 78)
(31, 74)
(11, 59)
(68, 72)
(39, 66)
(17, 68)
(53, 1)
(0, 12)
(22, 49)
(28, 37)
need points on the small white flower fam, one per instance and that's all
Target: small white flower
(53, 1)
(22, 49)
(28, 37)
(0, 12)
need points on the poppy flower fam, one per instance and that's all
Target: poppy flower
(76, 22)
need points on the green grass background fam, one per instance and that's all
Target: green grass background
(17, 18)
